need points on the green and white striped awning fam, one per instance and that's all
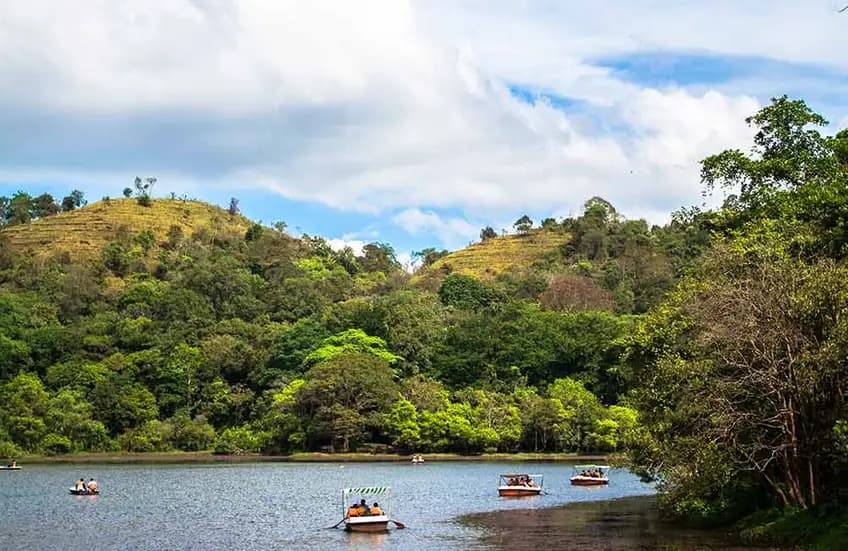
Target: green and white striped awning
(369, 490)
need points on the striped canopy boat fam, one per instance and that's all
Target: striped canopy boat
(367, 522)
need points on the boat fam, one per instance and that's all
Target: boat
(417, 460)
(10, 468)
(368, 522)
(76, 492)
(520, 485)
(590, 475)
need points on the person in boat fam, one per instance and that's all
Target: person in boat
(92, 485)
(79, 485)
(530, 482)
(13, 464)
(363, 508)
(375, 509)
(353, 510)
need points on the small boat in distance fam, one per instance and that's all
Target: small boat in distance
(362, 517)
(520, 485)
(13, 466)
(76, 492)
(417, 459)
(590, 475)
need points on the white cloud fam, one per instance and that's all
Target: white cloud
(452, 232)
(356, 245)
(387, 106)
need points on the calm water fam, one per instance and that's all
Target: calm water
(266, 505)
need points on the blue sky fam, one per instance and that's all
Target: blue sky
(414, 123)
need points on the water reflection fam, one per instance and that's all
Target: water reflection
(360, 540)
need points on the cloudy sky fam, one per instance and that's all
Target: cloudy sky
(412, 122)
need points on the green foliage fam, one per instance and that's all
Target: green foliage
(352, 341)
(466, 292)
(240, 440)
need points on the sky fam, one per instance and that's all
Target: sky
(409, 122)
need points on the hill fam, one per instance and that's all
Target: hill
(82, 233)
(498, 255)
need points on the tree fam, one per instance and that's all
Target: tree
(428, 256)
(352, 341)
(378, 257)
(44, 205)
(573, 292)
(143, 189)
(127, 192)
(19, 210)
(787, 154)
(523, 224)
(487, 233)
(467, 292)
(341, 392)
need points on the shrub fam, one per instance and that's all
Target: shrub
(56, 444)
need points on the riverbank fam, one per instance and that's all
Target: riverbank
(206, 457)
(817, 529)
(616, 525)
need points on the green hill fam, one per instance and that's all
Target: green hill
(83, 233)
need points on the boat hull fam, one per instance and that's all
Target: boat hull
(10, 468)
(366, 524)
(83, 492)
(585, 481)
(518, 491)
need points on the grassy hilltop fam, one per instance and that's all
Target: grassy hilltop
(83, 233)
(492, 257)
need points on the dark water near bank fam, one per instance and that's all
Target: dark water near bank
(267, 505)
(623, 524)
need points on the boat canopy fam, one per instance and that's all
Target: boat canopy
(368, 490)
(509, 475)
(591, 467)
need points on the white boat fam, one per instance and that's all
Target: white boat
(590, 475)
(368, 522)
(520, 485)
(417, 460)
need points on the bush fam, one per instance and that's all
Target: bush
(152, 436)
(144, 200)
(8, 449)
(238, 440)
(193, 435)
(56, 444)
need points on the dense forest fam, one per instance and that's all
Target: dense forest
(713, 349)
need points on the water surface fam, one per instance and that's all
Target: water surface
(267, 505)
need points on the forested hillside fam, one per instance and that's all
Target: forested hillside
(712, 348)
(193, 329)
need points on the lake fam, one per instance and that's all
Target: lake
(267, 505)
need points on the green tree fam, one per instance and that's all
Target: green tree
(339, 395)
(523, 224)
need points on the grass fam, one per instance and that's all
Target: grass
(492, 257)
(310, 457)
(820, 528)
(84, 232)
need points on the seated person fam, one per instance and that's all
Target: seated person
(531, 483)
(79, 485)
(363, 508)
(375, 509)
(92, 485)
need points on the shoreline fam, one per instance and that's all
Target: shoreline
(610, 525)
(314, 457)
